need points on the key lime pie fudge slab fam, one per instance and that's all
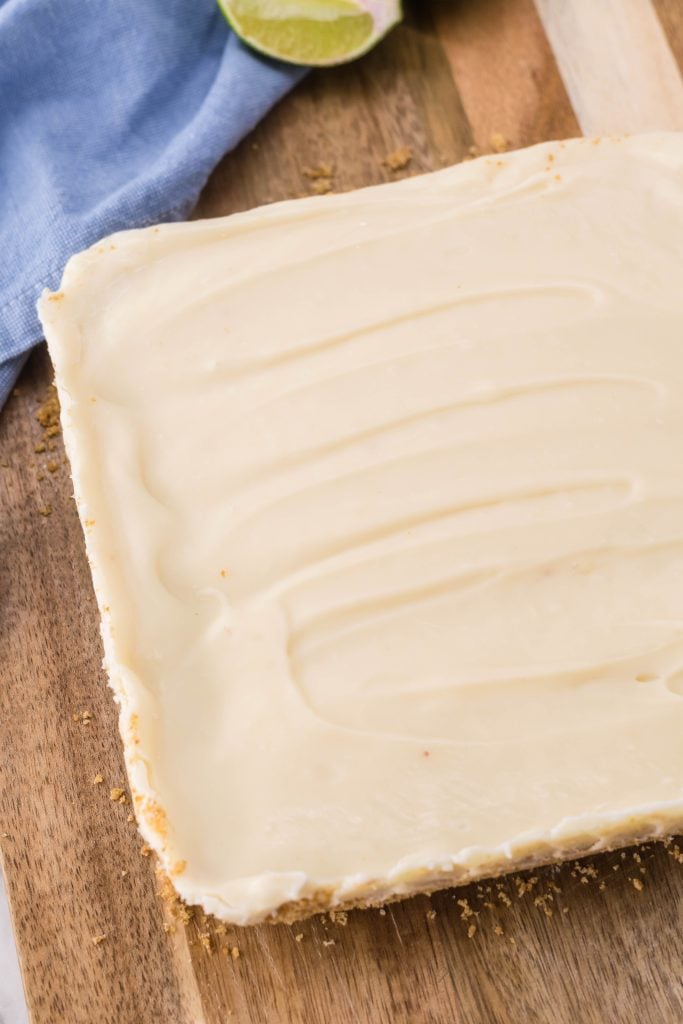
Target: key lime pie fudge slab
(383, 498)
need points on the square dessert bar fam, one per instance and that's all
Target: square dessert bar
(383, 498)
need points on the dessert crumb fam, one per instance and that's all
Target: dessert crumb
(471, 931)
(637, 884)
(321, 186)
(431, 915)
(47, 413)
(97, 940)
(118, 795)
(398, 159)
(235, 953)
(466, 910)
(319, 171)
(84, 717)
(98, 780)
(498, 142)
(299, 937)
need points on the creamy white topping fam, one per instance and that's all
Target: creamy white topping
(383, 497)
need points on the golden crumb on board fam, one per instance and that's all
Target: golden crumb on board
(382, 912)
(168, 928)
(175, 906)
(399, 159)
(339, 917)
(498, 142)
(98, 779)
(146, 850)
(299, 937)
(471, 931)
(97, 940)
(130, 817)
(206, 941)
(47, 413)
(118, 795)
(466, 910)
(637, 884)
(45, 511)
(124, 873)
(52, 466)
(319, 171)
(221, 929)
(84, 717)
(498, 930)
(320, 178)
(321, 186)
(234, 952)
(541, 902)
(329, 942)
(674, 851)
(431, 915)
(39, 448)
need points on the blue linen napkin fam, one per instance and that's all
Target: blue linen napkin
(112, 115)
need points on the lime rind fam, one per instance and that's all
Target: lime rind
(312, 32)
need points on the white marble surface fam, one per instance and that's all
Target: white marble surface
(12, 1004)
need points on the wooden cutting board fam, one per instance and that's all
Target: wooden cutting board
(601, 942)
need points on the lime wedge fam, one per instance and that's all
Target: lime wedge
(312, 31)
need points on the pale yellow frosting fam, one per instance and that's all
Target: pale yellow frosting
(383, 496)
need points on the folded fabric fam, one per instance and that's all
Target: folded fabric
(112, 115)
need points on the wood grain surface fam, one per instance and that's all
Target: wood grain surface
(601, 943)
